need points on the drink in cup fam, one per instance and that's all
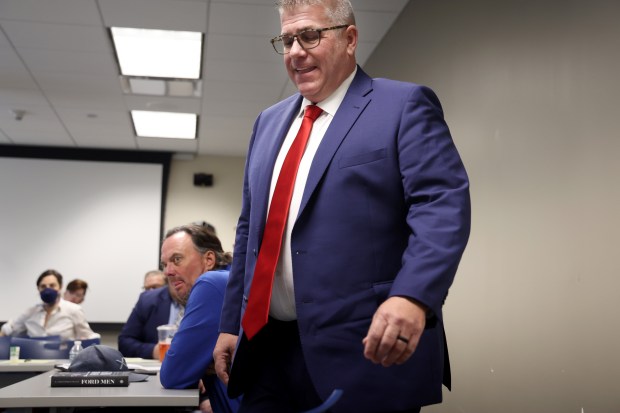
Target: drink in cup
(165, 334)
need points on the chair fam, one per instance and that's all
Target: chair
(85, 343)
(41, 349)
(5, 344)
(44, 338)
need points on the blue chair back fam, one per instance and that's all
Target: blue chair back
(41, 349)
(5, 344)
(85, 343)
(91, 342)
(44, 338)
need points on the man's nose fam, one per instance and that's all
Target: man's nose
(296, 48)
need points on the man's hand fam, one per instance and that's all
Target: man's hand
(205, 405)
(395, 331)
(156, 352)
(223, 355)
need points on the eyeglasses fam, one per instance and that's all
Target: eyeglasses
(307, 39)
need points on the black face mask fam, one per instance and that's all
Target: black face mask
(49, 295)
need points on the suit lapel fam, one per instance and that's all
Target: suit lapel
(352, 106)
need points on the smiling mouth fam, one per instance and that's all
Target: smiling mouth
(302, 70)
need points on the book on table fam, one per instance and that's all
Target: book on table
(91, 379)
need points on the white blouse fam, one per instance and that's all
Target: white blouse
(67, 321)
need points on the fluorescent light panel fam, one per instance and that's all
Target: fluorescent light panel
(150, 124)
(158, 53)
(161, 87)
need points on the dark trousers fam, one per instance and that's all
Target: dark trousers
(279, 380)
(276, 377)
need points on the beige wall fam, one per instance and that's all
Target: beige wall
(219, 205)
(530, 90)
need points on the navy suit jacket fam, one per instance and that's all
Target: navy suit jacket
(139, 335)
(385, 212)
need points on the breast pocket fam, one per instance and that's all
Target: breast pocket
(362, 158)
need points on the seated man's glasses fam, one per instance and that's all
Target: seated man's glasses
(307, 39)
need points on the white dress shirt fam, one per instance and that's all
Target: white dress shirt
(283, 293)
(67, 320)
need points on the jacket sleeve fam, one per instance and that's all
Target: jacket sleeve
(132, 341)
(18, 326)
(82, 328)
(436, 190)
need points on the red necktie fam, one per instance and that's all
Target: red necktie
(257, 311)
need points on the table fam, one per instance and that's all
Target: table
(12, 372)
(37, 392)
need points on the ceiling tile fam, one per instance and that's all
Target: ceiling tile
(175, 145)
(84, 118)
(21, 98)
(40, 128)
(244, 48)
(4, 138)
(244, 19)
(57, 36)
(42, 61)
(79, 84)
(237, 90)
(13, 73)
(218, 70)
(103, 139)
(163, 104)
(82, 12)
(155, 14)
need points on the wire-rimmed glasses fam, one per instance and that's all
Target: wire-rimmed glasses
(307, 39)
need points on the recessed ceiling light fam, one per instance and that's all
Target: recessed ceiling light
(158, 53)
(152, 124)
(191, 88)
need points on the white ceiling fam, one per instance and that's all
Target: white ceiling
(57, 64)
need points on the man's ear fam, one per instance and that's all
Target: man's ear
(351, 33)
(209, 259)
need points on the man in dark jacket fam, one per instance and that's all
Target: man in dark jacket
(157, 307)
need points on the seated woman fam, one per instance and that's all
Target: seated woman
(53, 317)
(76, 291)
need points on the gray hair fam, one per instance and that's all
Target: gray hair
(337, 11)
(155, 273)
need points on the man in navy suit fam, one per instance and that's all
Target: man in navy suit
(378, 222)
(138, 338)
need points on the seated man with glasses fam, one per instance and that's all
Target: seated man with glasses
(155, 307)
(154, 279)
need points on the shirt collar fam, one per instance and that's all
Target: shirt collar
(331, 104)
(41, 306)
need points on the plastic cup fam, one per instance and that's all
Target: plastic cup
(14, 354)
(165, 334)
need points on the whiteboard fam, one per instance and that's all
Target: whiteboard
(99, 221)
